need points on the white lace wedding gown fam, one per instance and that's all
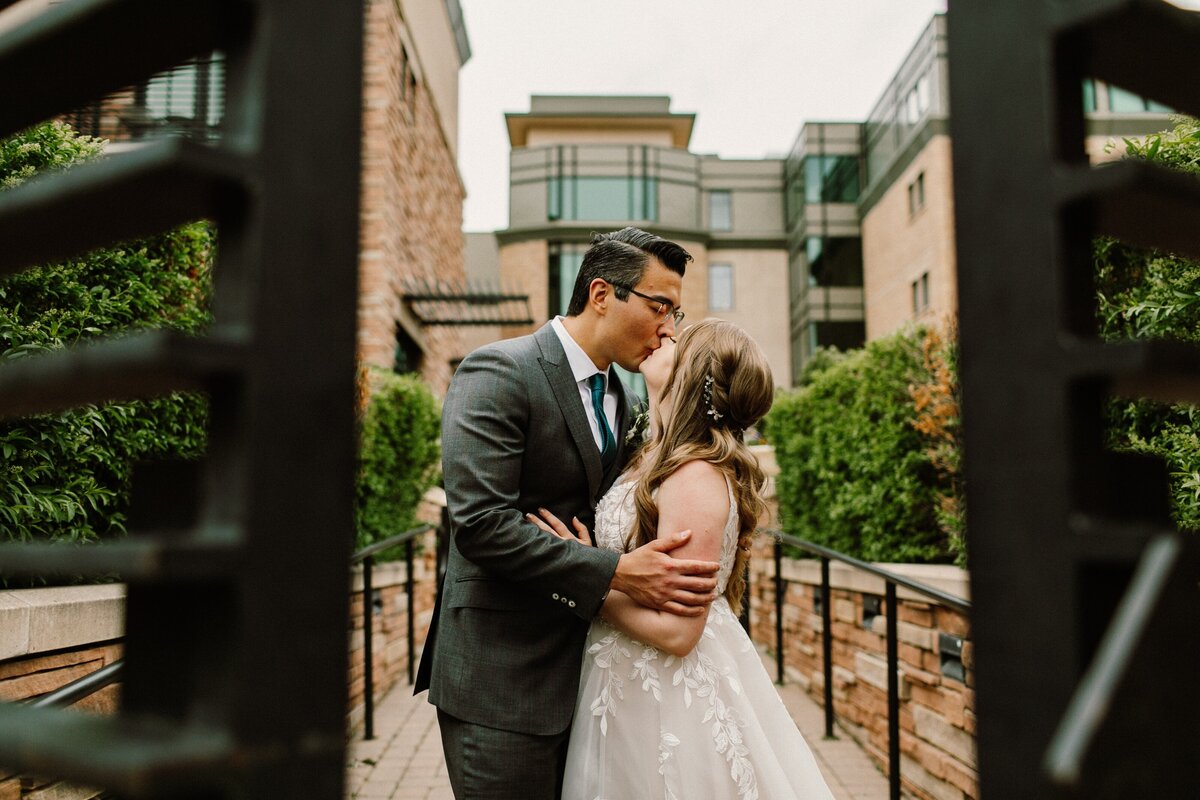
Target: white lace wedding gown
(709, 725)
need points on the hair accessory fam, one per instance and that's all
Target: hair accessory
(712, 412)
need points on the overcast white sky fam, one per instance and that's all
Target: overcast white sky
(751, 71)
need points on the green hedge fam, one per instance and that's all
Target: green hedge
(1149, 294)
(856, 473)
(66, 476)
(869, 447)
(398, 455)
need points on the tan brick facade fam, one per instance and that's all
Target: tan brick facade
(900, 245)
(525, 266)
(411, 199)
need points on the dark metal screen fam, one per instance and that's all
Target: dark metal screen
(237, 601)
(1087, 611)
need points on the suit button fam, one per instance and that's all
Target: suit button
(555, 595)
(571, 604)
(564, 599)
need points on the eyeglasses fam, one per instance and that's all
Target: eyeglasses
(665, 307)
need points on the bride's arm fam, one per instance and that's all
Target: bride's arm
(694, 498)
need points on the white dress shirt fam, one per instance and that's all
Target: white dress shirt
(583, 368)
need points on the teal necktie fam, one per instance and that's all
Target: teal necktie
(608, 442)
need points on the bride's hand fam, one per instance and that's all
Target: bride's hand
(552, 524)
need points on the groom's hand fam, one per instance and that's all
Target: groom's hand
(654, 579)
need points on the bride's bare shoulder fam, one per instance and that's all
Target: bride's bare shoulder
(698, 486)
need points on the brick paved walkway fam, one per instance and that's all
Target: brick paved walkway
(404, 761)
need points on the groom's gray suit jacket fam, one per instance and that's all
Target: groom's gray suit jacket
(506, 641)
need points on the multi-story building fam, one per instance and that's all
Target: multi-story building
(871, 209)
(584, 164)
(825, 261)
(414, 301)
(907, 206)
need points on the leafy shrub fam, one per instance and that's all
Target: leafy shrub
(1150, 294)
(398, 456)
(869, 447)
(66, 476)
(856, 474)
(936, 405)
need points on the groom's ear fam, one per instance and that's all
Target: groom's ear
(599, 293)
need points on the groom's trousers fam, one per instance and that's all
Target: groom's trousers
(490, 764)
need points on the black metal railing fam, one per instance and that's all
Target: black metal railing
(366, 557)
(891, 581)
(80, 688)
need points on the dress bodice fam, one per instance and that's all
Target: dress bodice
(616, 516)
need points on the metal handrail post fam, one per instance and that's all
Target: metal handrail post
(778, 611)
(893, 684)
(368, 656)
(409, 588)
(827, 644)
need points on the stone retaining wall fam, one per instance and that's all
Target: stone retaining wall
(937, 701)
(49, 638)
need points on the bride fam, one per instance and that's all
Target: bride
(673, 707)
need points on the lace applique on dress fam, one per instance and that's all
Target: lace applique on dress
(695, 678)
(701, 705)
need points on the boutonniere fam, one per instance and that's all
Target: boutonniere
(638, 428)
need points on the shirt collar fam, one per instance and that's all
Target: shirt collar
(582, 366)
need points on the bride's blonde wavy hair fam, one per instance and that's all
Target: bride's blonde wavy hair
(740, 392)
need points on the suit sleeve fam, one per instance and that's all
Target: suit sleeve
(485, 419)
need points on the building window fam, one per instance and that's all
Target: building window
(916, 194)
(1121, 101)
(794, 198)
(565, 260)
(406, 78)
(834, 260)
(1089, 96)
(916, 102)
(720, 287)
(407, 356)
(831, 179)
(920, 294)
(603, 198)
(720, 210)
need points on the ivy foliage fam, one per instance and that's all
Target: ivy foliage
(856, 474)
(398, 456)
(1151, 294)
(66, 477)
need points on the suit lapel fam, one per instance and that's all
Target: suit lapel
(566, 391)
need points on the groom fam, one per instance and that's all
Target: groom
(540, 422)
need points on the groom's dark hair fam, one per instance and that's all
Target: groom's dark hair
(620, 257)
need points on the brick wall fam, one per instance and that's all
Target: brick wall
(937, 711)
(411, 216)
